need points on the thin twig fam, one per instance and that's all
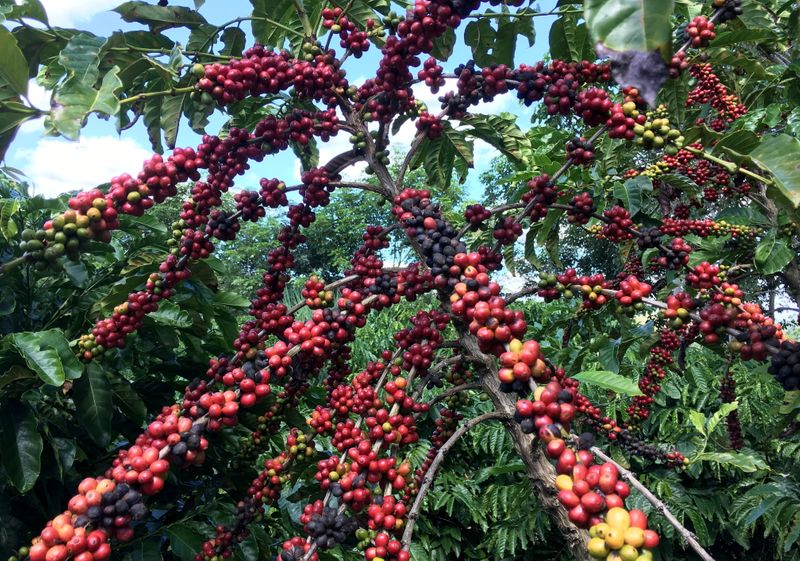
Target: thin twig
(430, 475)
(628, 476)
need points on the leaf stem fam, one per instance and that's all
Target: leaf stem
(308, 29)
(728, 166)
(145, 95)
(524, 14)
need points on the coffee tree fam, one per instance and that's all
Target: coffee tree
(663, 130)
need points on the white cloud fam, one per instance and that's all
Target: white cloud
(67, 13)
(56, 165)
(39, 98)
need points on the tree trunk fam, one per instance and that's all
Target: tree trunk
(538, 468)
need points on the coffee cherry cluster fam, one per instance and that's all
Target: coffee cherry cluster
(551, 410)
(656, 132)
(540, 195)
(632, 291)
(62, 539)
(478, 300)
(249, 204)
(700, 32)
(507, 230)
(727, 393)
(581, 208)
(295, 549)
(431, 74)
(623, 120)
(618, 223)
(328, 527)
(476, 215)
(654, 371)
(679, 307)
(437, 239)
(557, 81)
(728, 10)
(315, 294)
(709, 89)
(222, 225)
(593, 106)
(785, 365)
(521, 362)
(261, 71)
(430, 124)
(704, 276)
(580, 152)
(674, 256)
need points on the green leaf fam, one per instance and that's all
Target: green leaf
(14, 67)
(11, 117)
(773, 254)
(93, 404)
(30, 9)
(81, 57)
(77, 273)
(281, 11)
(502, 132)
(724, 411)
(152, 121)
(780, 156)
(568, 39)
(146, 550)
(734, 37)
(234, 40)
(145, 222)
(171, 108)
(8, 300)
(685, 184)
(479, 35)
(443, 45)
(673, 94)
(159, 17)
(127, 399)
(76, 100)
(698, 421)
(185, 541)
(64, 450)
(44, 353)
(630, 25)
(231, 299)
(8, 227)
(22, 445)
(737, 143)
(739, 460)
(171, 315)
(630, 192)
(609, 381)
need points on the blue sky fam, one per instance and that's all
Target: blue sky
(56, 165)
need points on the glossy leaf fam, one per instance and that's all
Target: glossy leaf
(14, 67)
(22, 445)
(630, 25)
(171, 315)
(631, 193)
(780, 156)
(126, 398)
(93, 404)
(607, 380)
(48, 354)
(773, 254)
(502, 132)
(159, 17)
(185, 541)
(231, 299)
